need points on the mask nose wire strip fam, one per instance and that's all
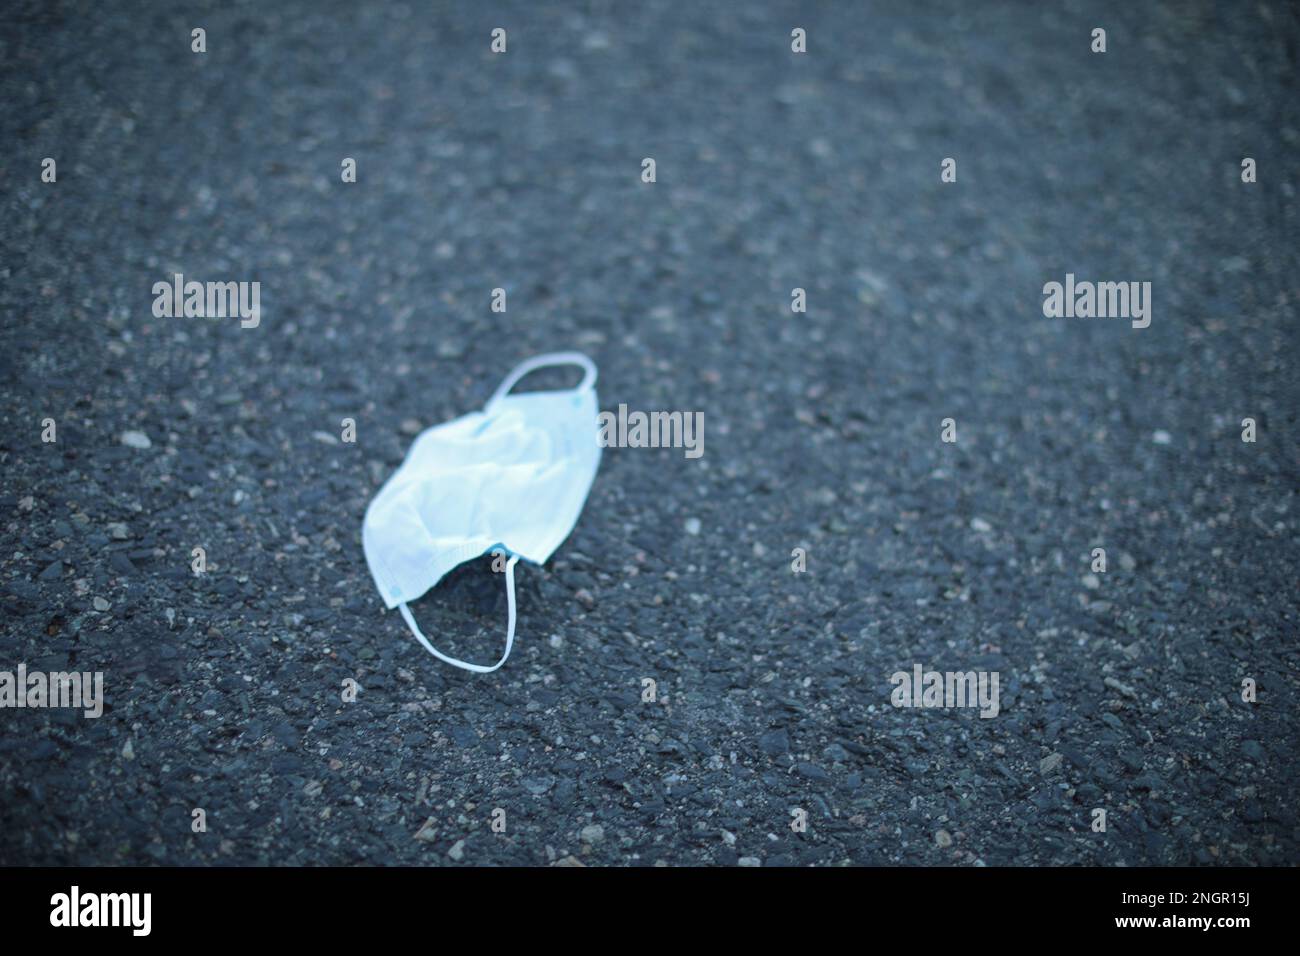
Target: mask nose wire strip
(510, 628)
(546, 361)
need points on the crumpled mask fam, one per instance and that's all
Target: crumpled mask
(512, 478)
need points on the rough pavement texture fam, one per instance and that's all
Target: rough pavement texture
(774, 170)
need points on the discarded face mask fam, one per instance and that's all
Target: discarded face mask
(512, 477)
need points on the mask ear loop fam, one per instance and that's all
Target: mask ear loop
(545, 361)
(510, 628)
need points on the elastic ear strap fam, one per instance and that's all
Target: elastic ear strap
(510, 628)
(545, 361)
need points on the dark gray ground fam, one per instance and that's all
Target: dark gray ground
(822, 430)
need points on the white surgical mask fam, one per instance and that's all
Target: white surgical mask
(512, 478)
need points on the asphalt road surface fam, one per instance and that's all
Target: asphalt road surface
(223, 692)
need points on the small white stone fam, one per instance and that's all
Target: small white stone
(101, 604)
(457, 851)
(1162, 437)
(980, 525)
(428, 832)
(1091, 582)
(593, 833)
(136, 440)
(692, 525)
(750, 861)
